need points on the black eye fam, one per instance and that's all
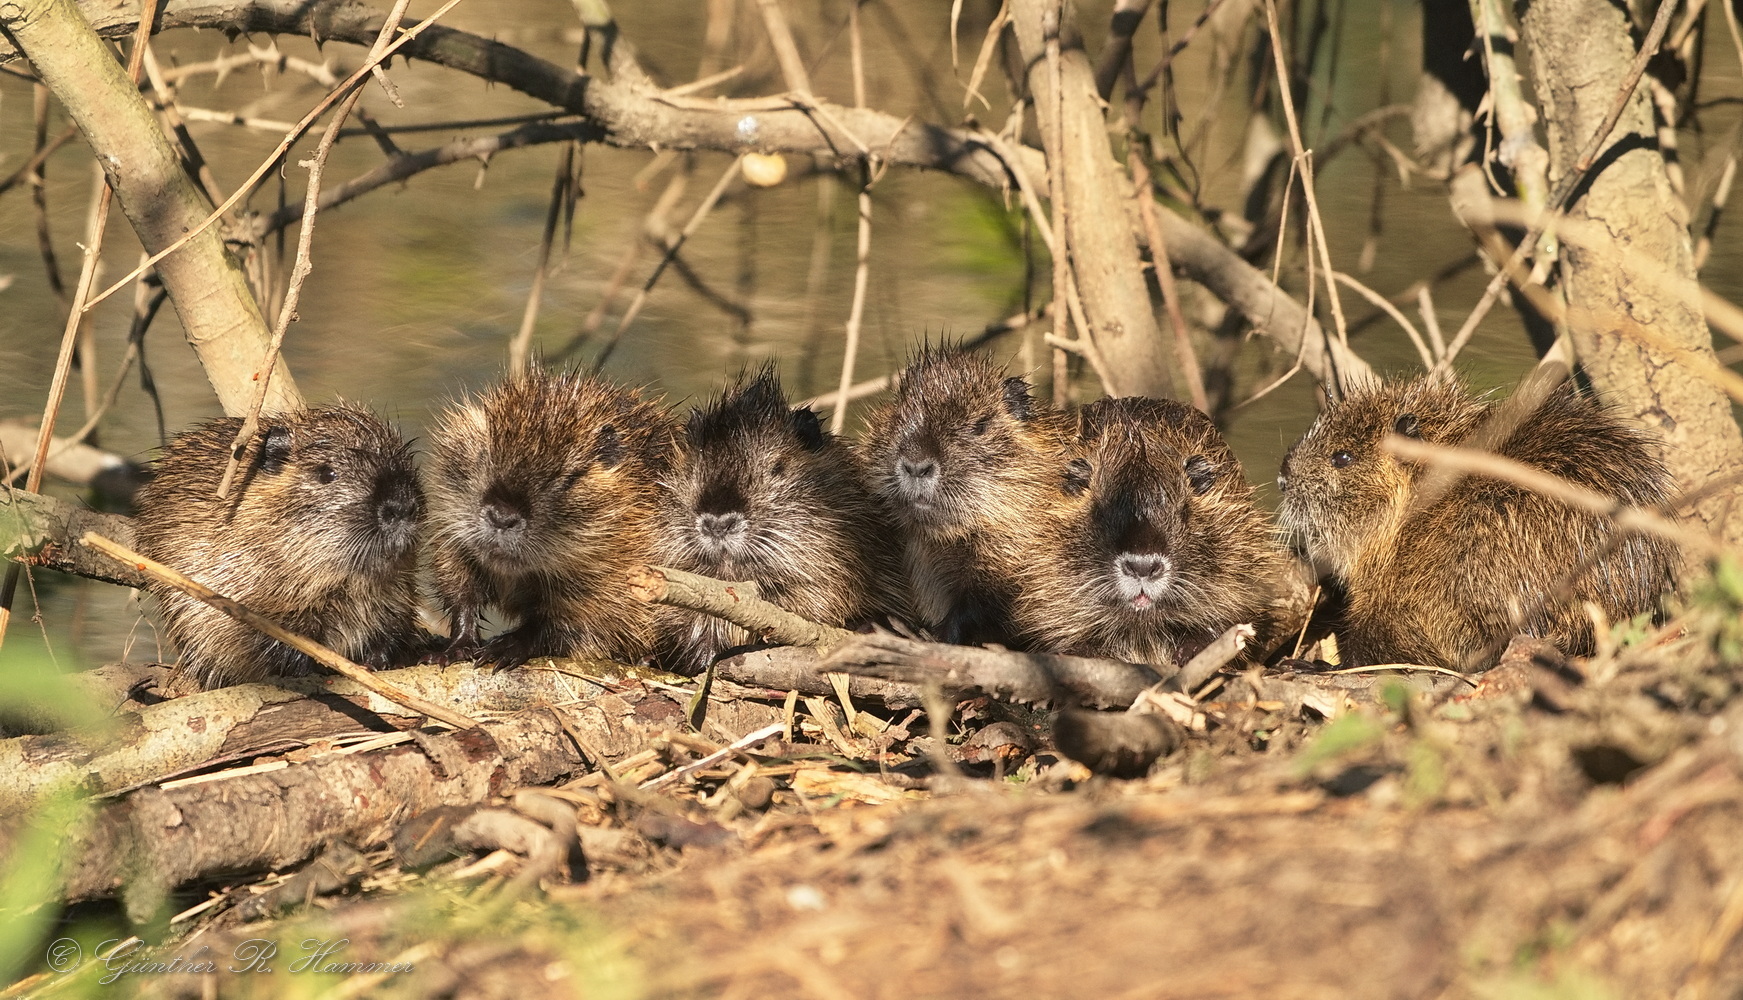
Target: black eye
(575, 477)
(1076, 478)
(982, 424)
(325, 474)
(1339, 459)
(778, 469)
(1201, 473)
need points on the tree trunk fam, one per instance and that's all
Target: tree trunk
(207, 286)
(1634, 309)
(1103, 250)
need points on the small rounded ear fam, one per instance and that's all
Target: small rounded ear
(610, 446)
(1076, 476)
(1017, 401)
(807, 428)
(1408, 426)
(275, 449)
(1201, 473)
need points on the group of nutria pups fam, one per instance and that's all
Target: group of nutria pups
(968, 508)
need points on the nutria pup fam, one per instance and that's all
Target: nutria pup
(318, 533)
(963, 457)
(1151, 546)
(1446, 580)
(542, 498)
(762, 492)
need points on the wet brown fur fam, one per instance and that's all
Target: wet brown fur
(542, 498)
(812, 536)
(997, 455)
(1153, 479)
(1447, 584)
(334, 561)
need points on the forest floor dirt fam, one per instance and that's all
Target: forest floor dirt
(1554, 830)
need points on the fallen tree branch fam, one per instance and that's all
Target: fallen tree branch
(1029, 678)
(156, 839)
(737, 603)
(796, 668)
(260, 623)
(1125, 744)
(153, 742)
(39, 530)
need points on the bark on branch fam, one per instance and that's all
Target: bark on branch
(39, 530)
(737, 603)
(156, 839)
(1029, 678)
(180, 733)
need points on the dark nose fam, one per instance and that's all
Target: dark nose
(1282, 482)
(398, 508)
(1142, 567)
(502, 516)
(923, 470)
(718, 526)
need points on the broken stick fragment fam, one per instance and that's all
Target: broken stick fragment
(738, 603)
(317, 652)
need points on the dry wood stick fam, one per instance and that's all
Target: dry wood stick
(1470, 461)
(305, 243)
(520, 348)
(1385, 305)
(856, 311)
(737, 603)
(1303, 156)
(869, 173)
(1187, 358)
(786, 50)
(1054, 142)
(314, 650)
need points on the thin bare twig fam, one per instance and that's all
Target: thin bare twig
(987, 46)
(305, 243)
(520, 348)
(1186, 357)
(869, 174)
(314, 650)
(38, 158)
(1476, 462)
(1393, 311)
(1303, 156)
(786, 50)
